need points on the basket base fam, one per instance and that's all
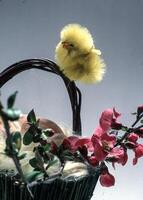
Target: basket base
(54, 189)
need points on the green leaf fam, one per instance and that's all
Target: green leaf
(48, 132)
(11, 100)
(15, 141)
(124, 128)
(34, 175)
(67, 155)
(8, 150)
(67, 152)
(15, 150)
(47, 147)
(36, 139)
(22, 156)
(27, 138)
(43, 136)
(31, 118)
(11, 114)
(16, 138)
(69, 158)
(118, 138)
(39, 158)
(52, 162)
(33, 162)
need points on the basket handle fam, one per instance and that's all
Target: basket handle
(49, 66)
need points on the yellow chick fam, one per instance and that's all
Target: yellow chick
(77, 56)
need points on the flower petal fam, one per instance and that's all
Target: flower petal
(106, 119)
(138, 153)
(107, 180)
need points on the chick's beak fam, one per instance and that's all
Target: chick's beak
(65, 45)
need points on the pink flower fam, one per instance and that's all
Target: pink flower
(118, 155)
(109, 118)
(93, 161)
(69, 143)
(75, 143)
(138, 153)
(116, 125)
(132, 141)
(133, 137)
(106, 179)
(85, 142)
(140, 131)
(103, 143)
(84, 146)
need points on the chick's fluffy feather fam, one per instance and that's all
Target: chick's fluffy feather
(81, 61)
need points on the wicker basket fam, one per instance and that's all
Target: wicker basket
(55, 188)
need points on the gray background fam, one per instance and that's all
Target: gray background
(31, 28)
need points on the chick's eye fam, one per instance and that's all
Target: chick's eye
(71, 45)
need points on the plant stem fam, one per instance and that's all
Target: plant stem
(137, 120)
(41, 162)
(13, 155)
(130, 130)
(122, 138)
